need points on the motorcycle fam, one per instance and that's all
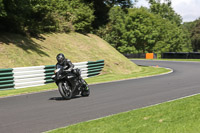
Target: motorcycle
(70, 83)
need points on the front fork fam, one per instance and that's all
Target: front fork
(84, 84)
(79, 82)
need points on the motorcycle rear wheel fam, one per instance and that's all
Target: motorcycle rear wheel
(65, 91)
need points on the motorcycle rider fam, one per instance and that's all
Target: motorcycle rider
(67, 65)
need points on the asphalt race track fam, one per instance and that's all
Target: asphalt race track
(44, 111)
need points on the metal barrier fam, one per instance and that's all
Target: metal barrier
(23, 77)
(139, 55)
(181, 55)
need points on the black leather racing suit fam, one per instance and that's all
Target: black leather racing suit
(67, 65)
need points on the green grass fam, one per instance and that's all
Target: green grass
(145, 71)
(4, 93)
(180, 116)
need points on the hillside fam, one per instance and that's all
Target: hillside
(19, 51)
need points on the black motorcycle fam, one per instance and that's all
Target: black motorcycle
(70, 83)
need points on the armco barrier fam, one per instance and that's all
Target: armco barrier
(181, 55)
(22, 77)
(139, 55)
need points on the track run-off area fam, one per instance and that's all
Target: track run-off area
(39, 112)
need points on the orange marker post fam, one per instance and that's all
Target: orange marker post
(149, 55)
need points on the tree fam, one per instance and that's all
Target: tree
(102, 7)
(39, 16)
(187, 32)
(113, 31)
(27, 15)
(195, 36)
(165, 10)
(2, 10)
(192, 29)
(81, 15)
(172, 38)
(121, 3)
(142, 31)
(141, 26)
(2, 15)
(73, 15)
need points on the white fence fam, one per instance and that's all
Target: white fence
(23, 77)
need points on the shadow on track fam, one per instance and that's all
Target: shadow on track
(62, 99)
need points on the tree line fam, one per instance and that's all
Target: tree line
(39, 16)
(130, 30)
(155, 29)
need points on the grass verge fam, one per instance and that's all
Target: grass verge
(180, 116)
(145, 71)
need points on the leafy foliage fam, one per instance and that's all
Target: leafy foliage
(2, 10)
(37, 16)
(115, 31)
(165, 10)
(102, 8)
(195, 36)
(142, 31)
(193, 31)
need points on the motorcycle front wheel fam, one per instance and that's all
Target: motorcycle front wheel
(65, 91)
(85, 90)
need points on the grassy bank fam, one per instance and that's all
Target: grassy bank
(20, 51)
(180, 116)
